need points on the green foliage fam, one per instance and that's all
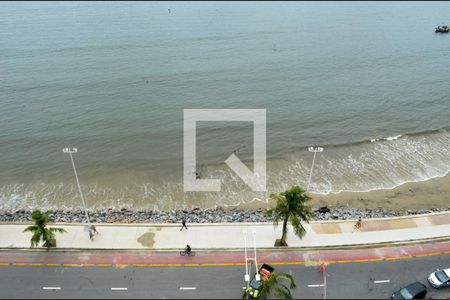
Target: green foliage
(291, 205)
(280, 284)
(40, 230)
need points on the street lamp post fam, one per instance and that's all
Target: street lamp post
(315, 150)
(250, 260)
(257, 276)
(247, 272)
(70, 151)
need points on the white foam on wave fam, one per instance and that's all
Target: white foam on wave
(374, 166)
(379, 188)
(389, 138)
(355, 168)
(392, 138)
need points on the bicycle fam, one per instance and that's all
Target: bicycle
(185, 253)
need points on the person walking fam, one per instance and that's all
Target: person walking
(91, 234)
(183, 224)
(92, 231)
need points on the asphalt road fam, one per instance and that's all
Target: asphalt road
(344, 280)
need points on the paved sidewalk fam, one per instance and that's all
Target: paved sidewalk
(231, 235)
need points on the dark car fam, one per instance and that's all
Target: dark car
(415, 290)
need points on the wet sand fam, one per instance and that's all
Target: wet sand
(409, 198)
(433, 193)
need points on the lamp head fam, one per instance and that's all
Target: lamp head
(315, 149)
(70, 150)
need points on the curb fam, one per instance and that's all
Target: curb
(278, 249)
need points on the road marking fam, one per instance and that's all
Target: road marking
(104, 265)
(315, 285)
(51, 288)
(225, 264)
(119, 289)
(188, 288)
(382, 281)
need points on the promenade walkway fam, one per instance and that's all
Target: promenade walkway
(231, 235)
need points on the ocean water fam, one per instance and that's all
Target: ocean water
(367, 81)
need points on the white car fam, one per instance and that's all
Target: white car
(440, 278)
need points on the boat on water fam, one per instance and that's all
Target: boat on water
(443, 29)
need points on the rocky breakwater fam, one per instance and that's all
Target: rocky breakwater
(198, 215)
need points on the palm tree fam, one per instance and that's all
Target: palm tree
(277, 282)
(291, 205)
(40, 230)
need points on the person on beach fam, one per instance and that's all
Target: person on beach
(183, 224)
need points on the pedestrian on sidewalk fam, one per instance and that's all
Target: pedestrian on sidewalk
(92, 232)
(183, 224)
(358, 223)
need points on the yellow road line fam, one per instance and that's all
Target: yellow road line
(344, 261)
(90, 265)
(72, 265)
(134, 265)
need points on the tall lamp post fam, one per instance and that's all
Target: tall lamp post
(315, 150)
(71, 151)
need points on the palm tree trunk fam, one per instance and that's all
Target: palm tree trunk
(283, 236)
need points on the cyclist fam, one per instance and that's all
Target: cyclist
(358, 223)
(187, 250)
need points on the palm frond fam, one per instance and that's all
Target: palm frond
(287, 277)
(35, 239)
(57, 229)
(268, 212)
(276, 284)
(282, 292)
(297, 225)
(263, 295)
(31, 228)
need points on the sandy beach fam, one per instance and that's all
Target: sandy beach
(433, 193)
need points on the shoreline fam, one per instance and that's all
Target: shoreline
(428, 194)
(433, 193)
(408, 199)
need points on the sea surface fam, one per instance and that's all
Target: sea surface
(369, 82)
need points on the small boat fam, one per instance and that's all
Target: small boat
(443, 29)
